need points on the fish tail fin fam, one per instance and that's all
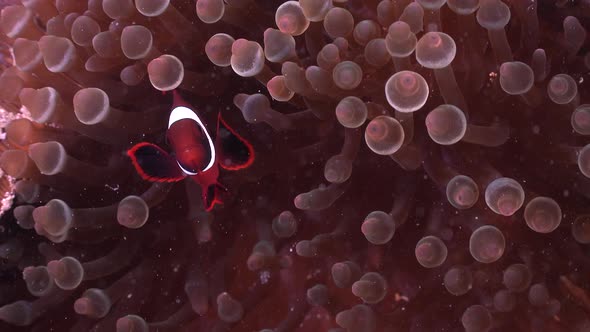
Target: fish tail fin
(212, 195)
(221, 186)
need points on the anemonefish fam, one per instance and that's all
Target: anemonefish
(195, 153)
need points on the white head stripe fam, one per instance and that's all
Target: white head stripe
(181, 113)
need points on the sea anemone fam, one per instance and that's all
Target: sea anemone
(419, 166)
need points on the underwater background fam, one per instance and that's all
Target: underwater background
(416, 166)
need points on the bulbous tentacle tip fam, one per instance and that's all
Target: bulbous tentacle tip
(474, 119)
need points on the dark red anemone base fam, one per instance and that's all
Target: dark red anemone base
(96, 248)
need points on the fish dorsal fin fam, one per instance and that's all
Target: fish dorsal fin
(154, 164)
(234, 151)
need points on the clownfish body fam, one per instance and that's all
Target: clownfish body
(195, 153)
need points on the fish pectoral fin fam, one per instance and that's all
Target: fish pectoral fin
(235, 152)
(154, 164)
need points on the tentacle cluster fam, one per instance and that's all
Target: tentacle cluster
(420, 166)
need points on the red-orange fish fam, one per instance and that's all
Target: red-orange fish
(195, 153)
